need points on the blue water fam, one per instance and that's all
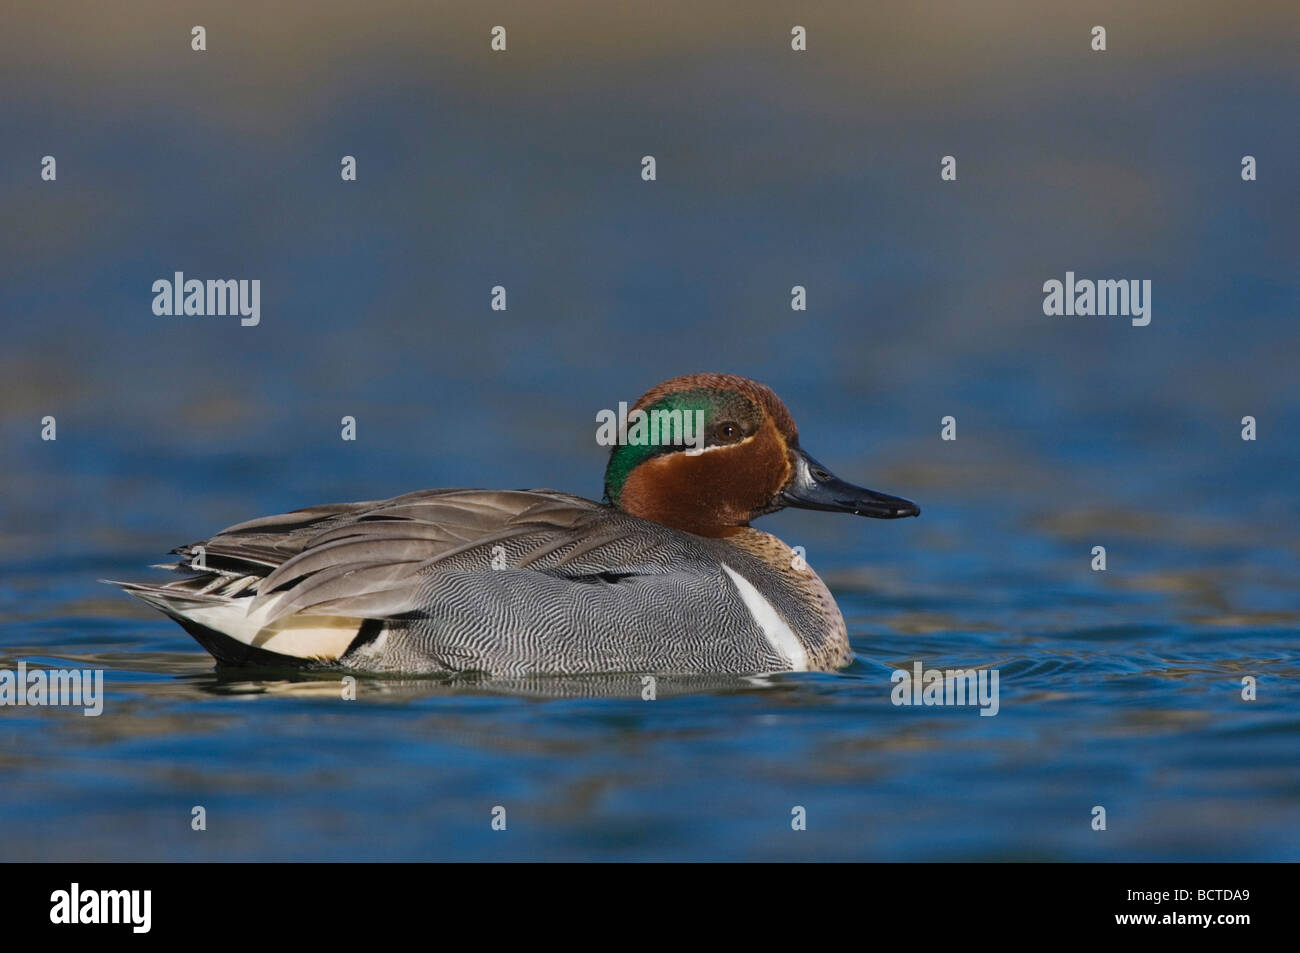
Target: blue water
(1120, 689)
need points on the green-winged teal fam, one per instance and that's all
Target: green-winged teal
(667, 576)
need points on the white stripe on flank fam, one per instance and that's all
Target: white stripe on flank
(785, 642)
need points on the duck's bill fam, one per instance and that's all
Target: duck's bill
(816, 488)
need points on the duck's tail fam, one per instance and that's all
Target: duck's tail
(215, 610)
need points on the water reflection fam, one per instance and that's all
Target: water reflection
(230, 681)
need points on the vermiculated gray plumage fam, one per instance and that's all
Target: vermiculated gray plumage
(509, 583)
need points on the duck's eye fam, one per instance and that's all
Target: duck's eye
(727, 431)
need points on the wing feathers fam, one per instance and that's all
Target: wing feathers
(371, 560)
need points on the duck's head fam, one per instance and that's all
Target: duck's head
(750, 462)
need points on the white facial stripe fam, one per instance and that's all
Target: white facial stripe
(780, 636)
(695, 452)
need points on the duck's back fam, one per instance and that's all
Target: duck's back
(504, 582)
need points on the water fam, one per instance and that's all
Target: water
(1120, 689)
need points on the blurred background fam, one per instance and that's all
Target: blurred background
(775, 169)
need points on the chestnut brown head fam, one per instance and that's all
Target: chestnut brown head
(708, 453)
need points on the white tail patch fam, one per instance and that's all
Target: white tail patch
(769, 620)
(305, 637)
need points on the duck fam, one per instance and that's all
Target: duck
(664, 575)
